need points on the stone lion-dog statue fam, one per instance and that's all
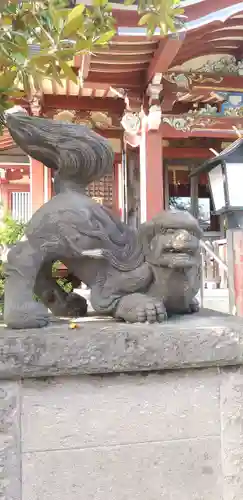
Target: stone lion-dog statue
(135, 276)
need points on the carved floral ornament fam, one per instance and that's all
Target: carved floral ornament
(227, 65)
(93, 119)
(185, 123)
(234, 112)
(133, 123)
(186, 81)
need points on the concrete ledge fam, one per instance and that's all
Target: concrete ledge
(102, 346)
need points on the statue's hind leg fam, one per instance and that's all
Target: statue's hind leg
(60, 303)
(23, 270)
(20, 308)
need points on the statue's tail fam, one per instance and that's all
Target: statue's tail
(75, 152)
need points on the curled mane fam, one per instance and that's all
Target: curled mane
(75, 152)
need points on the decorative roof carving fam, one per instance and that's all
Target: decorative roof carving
(185, 123)
(208, 109)
(225, 65)
(93, 119)
(238, 112)
(187, 80)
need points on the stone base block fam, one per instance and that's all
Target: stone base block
(150, 412)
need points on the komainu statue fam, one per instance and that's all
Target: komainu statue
(134, 276)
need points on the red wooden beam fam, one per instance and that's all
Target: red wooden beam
(164, 56)
(13, 166)
(110, 133)
(201, 9)
(196, 33)
(223, 33)
(169, 99)
(83, 103)
(174, 153)
(208, 31)
(127, 81)
(234, 22)
(16, 186)
(213, 47)
(169, 133)
(83, 63)
(205, 44)
(130, 17)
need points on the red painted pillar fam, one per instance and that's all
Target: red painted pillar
(4, 196)
(36, 184)
(154, 174)
(151, 174)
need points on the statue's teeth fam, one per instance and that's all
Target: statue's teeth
(96, 253)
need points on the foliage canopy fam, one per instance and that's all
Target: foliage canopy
(41, 38)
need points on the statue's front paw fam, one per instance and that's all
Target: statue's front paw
(194, 306)
(76, 305)
(28, 315)
(139, 308)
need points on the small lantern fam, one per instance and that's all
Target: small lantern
(224, 174)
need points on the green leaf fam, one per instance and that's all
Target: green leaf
(74, 20)
(23, 45)
(42, 53)
(178, 11)
(7, 79)
(100, 3)
(146, 18)
(164, 28)
(105, 38)
(11, 8)
(54, 15)
(64, 54)
(40, 63)
(169, 23)
(15, 93)
(129, 2)
(6, 20)
(20, 58)
(82, 45)
(11, 46)
(68, 72)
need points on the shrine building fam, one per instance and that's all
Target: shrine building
(165, 104)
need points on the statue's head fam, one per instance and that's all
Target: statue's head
(171, 240)
(76, 152)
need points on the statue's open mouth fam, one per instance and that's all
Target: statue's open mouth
(175, 260)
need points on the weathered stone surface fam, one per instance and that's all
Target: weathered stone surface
(101, 411)
(178, 470)
(10, 486)
(204, 339)
(232, 432)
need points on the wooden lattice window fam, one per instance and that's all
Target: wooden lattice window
(102, 189)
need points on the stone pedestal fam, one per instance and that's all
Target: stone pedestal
(111, 411)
